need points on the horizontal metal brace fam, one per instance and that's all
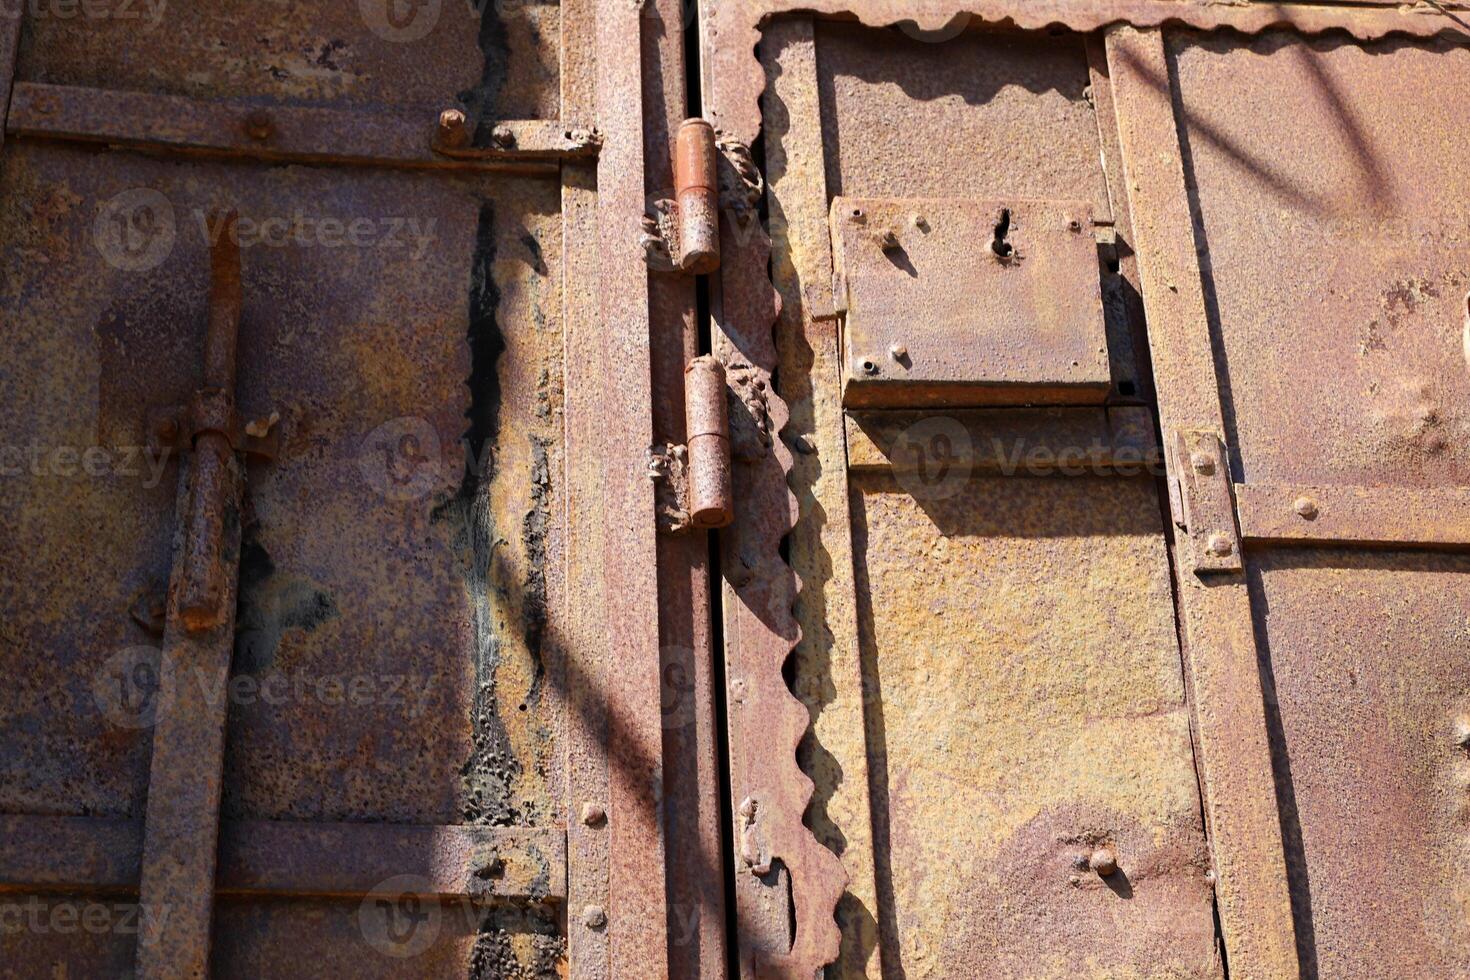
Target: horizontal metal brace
(1362, 516)
(259, 857)
(943, 447)
(398, 138)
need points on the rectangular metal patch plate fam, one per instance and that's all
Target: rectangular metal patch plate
(969, 302)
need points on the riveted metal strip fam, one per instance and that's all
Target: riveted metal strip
(1233, 746)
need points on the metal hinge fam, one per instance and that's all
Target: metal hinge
(683, 234)
(693, 480)
(1201, 499)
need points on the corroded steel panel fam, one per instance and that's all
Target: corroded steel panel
(1335, 244)
(980, 115)
(968, 302)
(1369, 655)
(1027, 710)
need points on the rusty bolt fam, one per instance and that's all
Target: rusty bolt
(503, 137)
(258, 126)
(593, 917)
(1219, 545)
(920, 222)
(452, 132)
(168, 428)
(899, 352)
(888, 239)
(593, 815)
(1103, 861)
(1203, 463)
(1462, 731)
(1306, 507)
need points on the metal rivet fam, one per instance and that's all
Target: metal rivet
(1306, 507)
(593, 917)
(1103, 861)
(258, 125)
(452, 130)
(593, 815)
(920, 222)
(889, 240)
(899, 352)
(1219, 545)
(503, 137)
(1202, 463)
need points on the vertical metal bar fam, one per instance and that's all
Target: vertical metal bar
(638, 910)
(582, 643)
(11, 17)
(181, 826)
(821, 541)
(1233, 743)
(783, 873)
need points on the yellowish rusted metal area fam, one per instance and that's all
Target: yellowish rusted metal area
(1026, 710)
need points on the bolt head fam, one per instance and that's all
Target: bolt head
(593, 917)
(1306, 507)
(258, 125)
(593, 815)
(899, 352)
(1103, 861)
(452, 128)
(1203, 463)
(1219, 545)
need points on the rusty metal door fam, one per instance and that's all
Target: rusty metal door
(329, 582)
(1115, 375)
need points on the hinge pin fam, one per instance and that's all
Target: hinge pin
(707, 421)
(697, 187)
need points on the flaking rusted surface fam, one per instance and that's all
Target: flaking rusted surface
(1342, 238)
(1369, 661)
(1013, 729)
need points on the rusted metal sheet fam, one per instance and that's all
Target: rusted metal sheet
(943, 450)
(738, 26)
(787, 884)
(1370, 516)
(1375, 214)
(1015, 732)
(968, 302)
(827, 676)
(1233, 751)
(98, 856)
(282, 133)
(1369, 680)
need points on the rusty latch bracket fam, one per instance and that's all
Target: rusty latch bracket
(693, 480)
(173, 428)
(526, 139)
(1200, 494)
